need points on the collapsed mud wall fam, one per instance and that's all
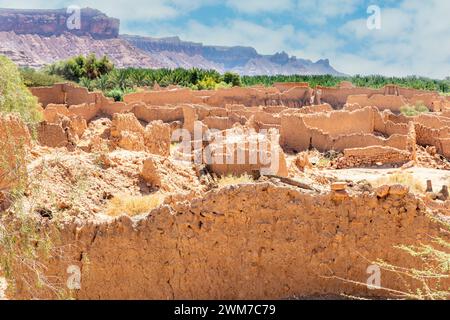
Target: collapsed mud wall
(355, 130)
(78, 100)
(15, 139)
(383, 102)
(257, 241)
(286, 108)
(161, 98)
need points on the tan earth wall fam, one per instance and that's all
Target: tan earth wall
(151, 113)
(247, 242)
(337, 97)
(15, 139)
(47, 95)
(160, 98)
(371, 155)
(342, 122)
(383, 102)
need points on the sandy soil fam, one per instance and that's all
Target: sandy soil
(438, 177)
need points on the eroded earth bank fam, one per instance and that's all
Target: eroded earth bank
(122, 200)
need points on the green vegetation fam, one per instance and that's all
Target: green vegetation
(80, 67)
(34, 78)
(100, 74)
(234, 180)
(432, 276)
(373, 81)
(415, 110)
(133, 205)
(403, 178)
(14, 95)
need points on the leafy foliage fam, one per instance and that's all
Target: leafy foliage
(371, 81)
(35, 78)
(80, 67)
(415, 110)
(103, 76)
(14, 95)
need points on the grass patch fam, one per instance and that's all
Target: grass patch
(132, 205)
(415, 110)
(403, 178)
(232, 180)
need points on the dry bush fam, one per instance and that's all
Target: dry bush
(232, 180)
(133, 205)
(403, 178)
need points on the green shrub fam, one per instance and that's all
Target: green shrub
(117, 93)
(412, 111)
(14, 95)
(35, 78)
(80, 67)
(208, 83)
(232, 78)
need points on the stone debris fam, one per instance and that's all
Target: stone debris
(286, 208)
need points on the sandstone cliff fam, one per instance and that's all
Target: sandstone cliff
(34, 38)
(54, 22)
(243, 60)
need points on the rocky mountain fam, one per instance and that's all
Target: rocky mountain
(56, 22)
(35, 38)
(244, 60)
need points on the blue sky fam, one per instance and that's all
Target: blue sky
(414, 37)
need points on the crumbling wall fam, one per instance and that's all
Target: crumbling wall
(161, 98)
(151, 113)
(52, 135)
(342, 122)
(52, 112)
(127, 133)
(257, 241)
(157, 138)
(15, 139)
(285, 86)
(47, 95)
(355, 130)
(381, 101)
(337, 97)
(369, 156)
(85, 110)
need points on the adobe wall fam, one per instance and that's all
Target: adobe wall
(47, 95)
(368, 156)
(382, 102)
(256, 241)
(77, 100)
(285, 86)
(237, 95)
(337, 97)
(53, 111)
(342, 122)
(162, 98)
(15, 139)
(355, 130)
(150, 113)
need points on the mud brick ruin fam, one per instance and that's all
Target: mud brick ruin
(369, 119)
(287, 234)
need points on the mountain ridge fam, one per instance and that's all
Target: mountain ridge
(37, 37)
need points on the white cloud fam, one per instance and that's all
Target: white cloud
(414, 39)
(136, 10)
(235, 32)
(414, 35)
(258, 6)
(317, 12)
